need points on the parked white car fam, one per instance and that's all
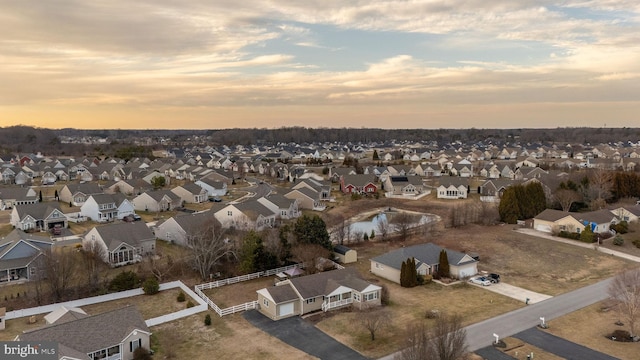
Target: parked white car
(481, 280)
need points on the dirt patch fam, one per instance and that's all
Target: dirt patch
(239, 293)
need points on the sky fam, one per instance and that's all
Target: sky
(215, 64)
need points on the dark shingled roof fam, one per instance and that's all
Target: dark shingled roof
(282, 293)
(341, 249)
(552, 215)
(323, 283)
(424, 253)
(91, 333)
(132, 233)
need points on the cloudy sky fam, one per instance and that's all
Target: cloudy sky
(211, 64)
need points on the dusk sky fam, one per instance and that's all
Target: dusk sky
(210, 64)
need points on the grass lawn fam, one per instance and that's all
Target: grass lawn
(230, 337)
(240, 293)
(409, 306)
(590, 327)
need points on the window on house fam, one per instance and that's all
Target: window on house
(371, 296)
(356, 296)
(265, 302)
(310, 301)
(229, 213)
(133, 345)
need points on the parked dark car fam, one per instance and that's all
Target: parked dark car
(56, 229)
(215, 199)
(494, 278)
(183, 209)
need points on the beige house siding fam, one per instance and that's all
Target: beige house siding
(567, 223)
(385, 272)
(312, 304)
(270, 309)
(127, 354)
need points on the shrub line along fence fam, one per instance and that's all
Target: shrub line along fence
(242, 307)
(202, 305)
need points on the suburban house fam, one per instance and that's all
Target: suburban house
(19, 254)
(453, 188)
(551, 220)
(77, 194)
(191, 193)
(248, 215)
(156, 200)
(106, 207)
(599, 220)
(213, 187)
(127, 187)
(177, 228)
(344, 254)
(112, 335)
(283, 207)
(323, 189)
(40, 216)
(307, 198)
(427, 257)
(627, 213)
(11, 196)
(323, 291)
(358, 184)
(404, 185)
(124, 243)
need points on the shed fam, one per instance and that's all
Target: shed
(345, 254)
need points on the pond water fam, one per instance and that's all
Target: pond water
(385, 219)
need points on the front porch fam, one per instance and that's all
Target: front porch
(337, 301)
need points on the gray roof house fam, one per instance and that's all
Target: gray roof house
(427, 258)
(177, 228)
(10, 196)
(318, 292)
(114, 334)
(124, 243)
(19, 254)
(40, 216)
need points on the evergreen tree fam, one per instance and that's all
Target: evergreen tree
(403, 274)
(413, 273)
(312, 230)
(508, 208)
(40, 196)
(587, 234)
(375, 155)
(443, 264)
(373, 234)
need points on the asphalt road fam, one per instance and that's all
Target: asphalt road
(480, 334)
(302, 335)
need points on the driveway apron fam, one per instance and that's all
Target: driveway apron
(559, 346)
(303, 336)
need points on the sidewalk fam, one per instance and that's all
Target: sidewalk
(578, 243)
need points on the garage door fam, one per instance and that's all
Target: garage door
(543, 228)
(285, 309)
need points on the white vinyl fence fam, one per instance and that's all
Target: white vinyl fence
(242, 307)
(202, 305)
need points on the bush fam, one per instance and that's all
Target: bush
(618, 240)
(427, 279)
(636, 242)
(181, 297)
(207, 320)
(385, 297)
(587, 235)
(151, 286)
(569, 235)
(190, 304)
(420, 280)
(621, 228)
(141, 354)
(432, 314)
(126, 280)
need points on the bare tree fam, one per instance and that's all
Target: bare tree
(418, 344)
(600, 184)
(340, 230)
(625, 291)
(383, 228)
(93, 256)
(402, 225)
(308, 255)
(208, 246)
(566, 198)
(374, 320)
(446, 340)
(59, 271)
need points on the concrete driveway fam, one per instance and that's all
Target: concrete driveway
(302, 335)
(515, 292)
